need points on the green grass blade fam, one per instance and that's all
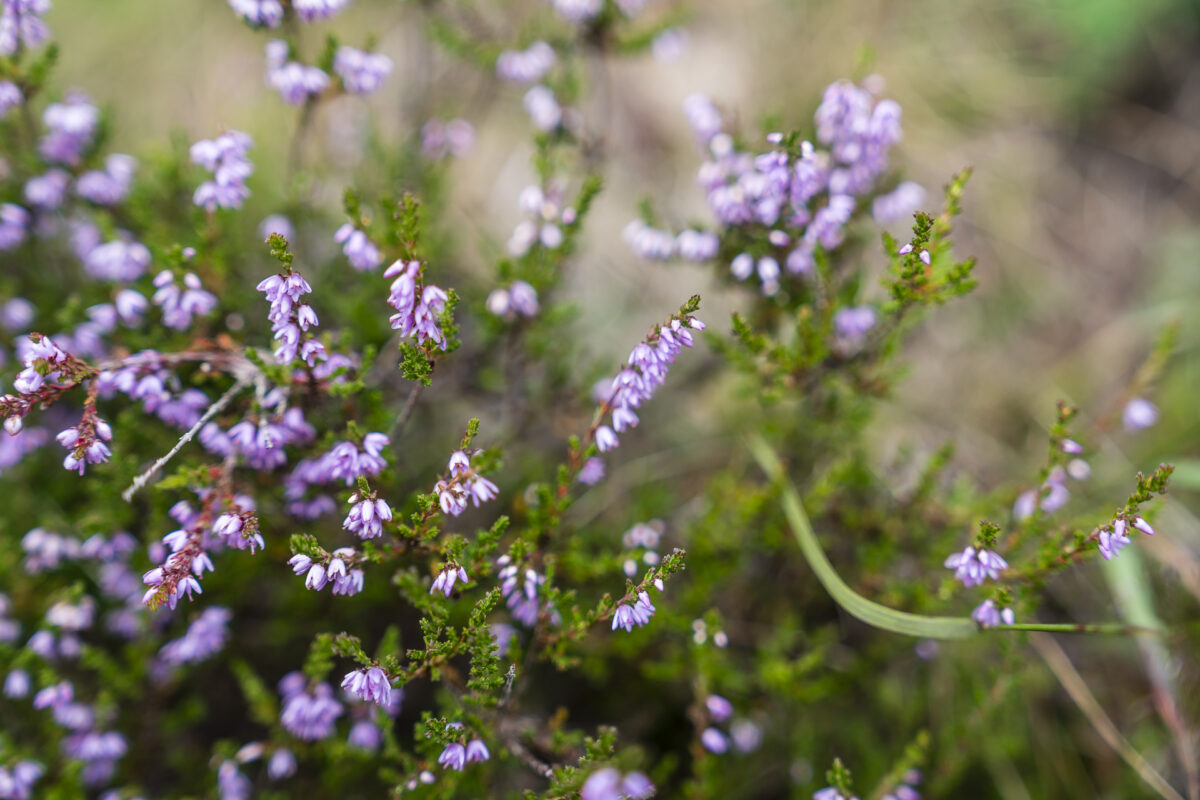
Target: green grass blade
(855, 604)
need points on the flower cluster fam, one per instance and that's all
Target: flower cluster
(290, 318)
(314, 10)
(457, 755)
(454, 138)
(370, 684)
(21, 25)
(974, 565)
(418, 306)
(989, 615)
(545, 112)
(445, 580)
(204, 637)
(332, 571)
(225, 157)
(361, 72)
(360, 250)
(17, 782)
(85, 442)
(108, 186)
(526, 66)
(294, 81)
(519, 299)
(120, 259)
(633, 613)
(645, 371)
(798, 199)
(265, 13)
(463, 485)
(519, 588)
(546, 218)
(71, 125)
(179, 305)
(308, 714)
(609, 784)
(1114, 536)
(367, 515)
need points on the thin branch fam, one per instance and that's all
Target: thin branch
(533, 762)
(213, 410)
(1078, 689)
(409, 406)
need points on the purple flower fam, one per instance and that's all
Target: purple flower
(669, 45)
(361, 252)
(367, 516)
(10, 96)
(18, 782)
(714, 741)
(294, 82)
(225, 157)
(361, 73)
(694, 245)
(21, 25)
(544, 110)
(54, 696)
(291, 319)
(973, 566)
(14, 221)
(310, 716)
(592, 472)
(520, 298)
(649, 243)
(444, 582)
(646, 371)
(370, 684)
(1111, 541)
(603, 784)
(989, 616)
(637, 613)
(417, 307)
(520, 590)
(204, 638)
(851, 326)
(365, 735)
(118, 260)
(260, 13)
(477, 751)
(314, 10)
(180, 305)
(545, 219)
(276, 223)
(70, 125)
(577, 12)
(637, 786)
(16, 683)
(453, 757)
(1139, 414)
(47, 191)
(108, 186)
(526, 66)
(901, 202)
(282, 764)
(231, 783)
(439, 139)
(718, 707)
(703, 117)
(830, 793)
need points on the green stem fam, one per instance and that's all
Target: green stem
(872, 613)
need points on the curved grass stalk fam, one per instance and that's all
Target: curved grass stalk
(870, 612)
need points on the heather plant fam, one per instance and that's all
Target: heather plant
(297, 502)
